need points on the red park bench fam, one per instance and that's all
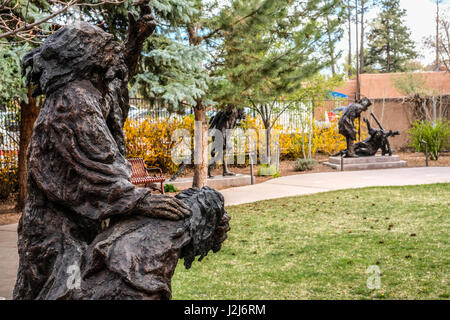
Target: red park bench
(140, 175)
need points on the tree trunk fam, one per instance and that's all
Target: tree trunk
(330, 44)
(201, 148)
(437, 35)
(388, 56)
(28, 114)
(138, 31)
(361, 52)
(268, 143)
(349, 13)
(358, 83)
(310, 134)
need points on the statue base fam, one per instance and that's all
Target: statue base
(366, 163)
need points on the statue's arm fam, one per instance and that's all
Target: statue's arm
(79, 165)
(162, 207)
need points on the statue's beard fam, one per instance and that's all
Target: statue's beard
(116, 98)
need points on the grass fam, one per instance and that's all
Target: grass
(320, 246)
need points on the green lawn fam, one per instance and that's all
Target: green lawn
(320, 246)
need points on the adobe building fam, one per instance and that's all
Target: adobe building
(392, 107)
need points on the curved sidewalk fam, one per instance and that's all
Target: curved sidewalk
(327, 181)
(277, 188)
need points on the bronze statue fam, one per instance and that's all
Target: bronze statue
(86, 231)
(346, 123)
(378, 139)
(223, 120)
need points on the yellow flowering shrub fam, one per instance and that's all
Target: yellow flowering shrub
(150, 139)
(8, 177)
(327, 140)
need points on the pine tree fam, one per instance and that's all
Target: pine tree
(365, 6)
(335, 20)
(267, 59)
(389, 42)
(184, 65)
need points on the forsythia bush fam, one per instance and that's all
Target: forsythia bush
(294, 145)
(328, 140)
(8, 177)
(150, 139)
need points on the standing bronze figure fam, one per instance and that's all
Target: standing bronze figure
(223, 121)
(346, 123)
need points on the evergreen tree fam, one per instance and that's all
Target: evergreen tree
(390, 46)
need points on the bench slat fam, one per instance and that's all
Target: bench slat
(139, 175)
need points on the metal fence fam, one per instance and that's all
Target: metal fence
(9, 136)
(140, 109)
(297, 118)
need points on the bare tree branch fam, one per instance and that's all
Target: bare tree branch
(20, 29)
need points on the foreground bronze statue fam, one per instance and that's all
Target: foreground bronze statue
(86, 231)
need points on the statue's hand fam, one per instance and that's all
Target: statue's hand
(165, 207)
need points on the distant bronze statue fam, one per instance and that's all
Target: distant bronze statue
(86, 232)
(346, 123)
(223, 120)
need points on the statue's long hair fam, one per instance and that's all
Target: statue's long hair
(209, 224)
(82, 51)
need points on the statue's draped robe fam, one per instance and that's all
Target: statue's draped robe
(78, 177)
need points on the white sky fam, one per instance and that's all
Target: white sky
(421, 20)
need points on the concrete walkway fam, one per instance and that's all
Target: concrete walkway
(277, 188)
(9, 259)
(327, 181)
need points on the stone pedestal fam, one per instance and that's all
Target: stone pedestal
(366, 163)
